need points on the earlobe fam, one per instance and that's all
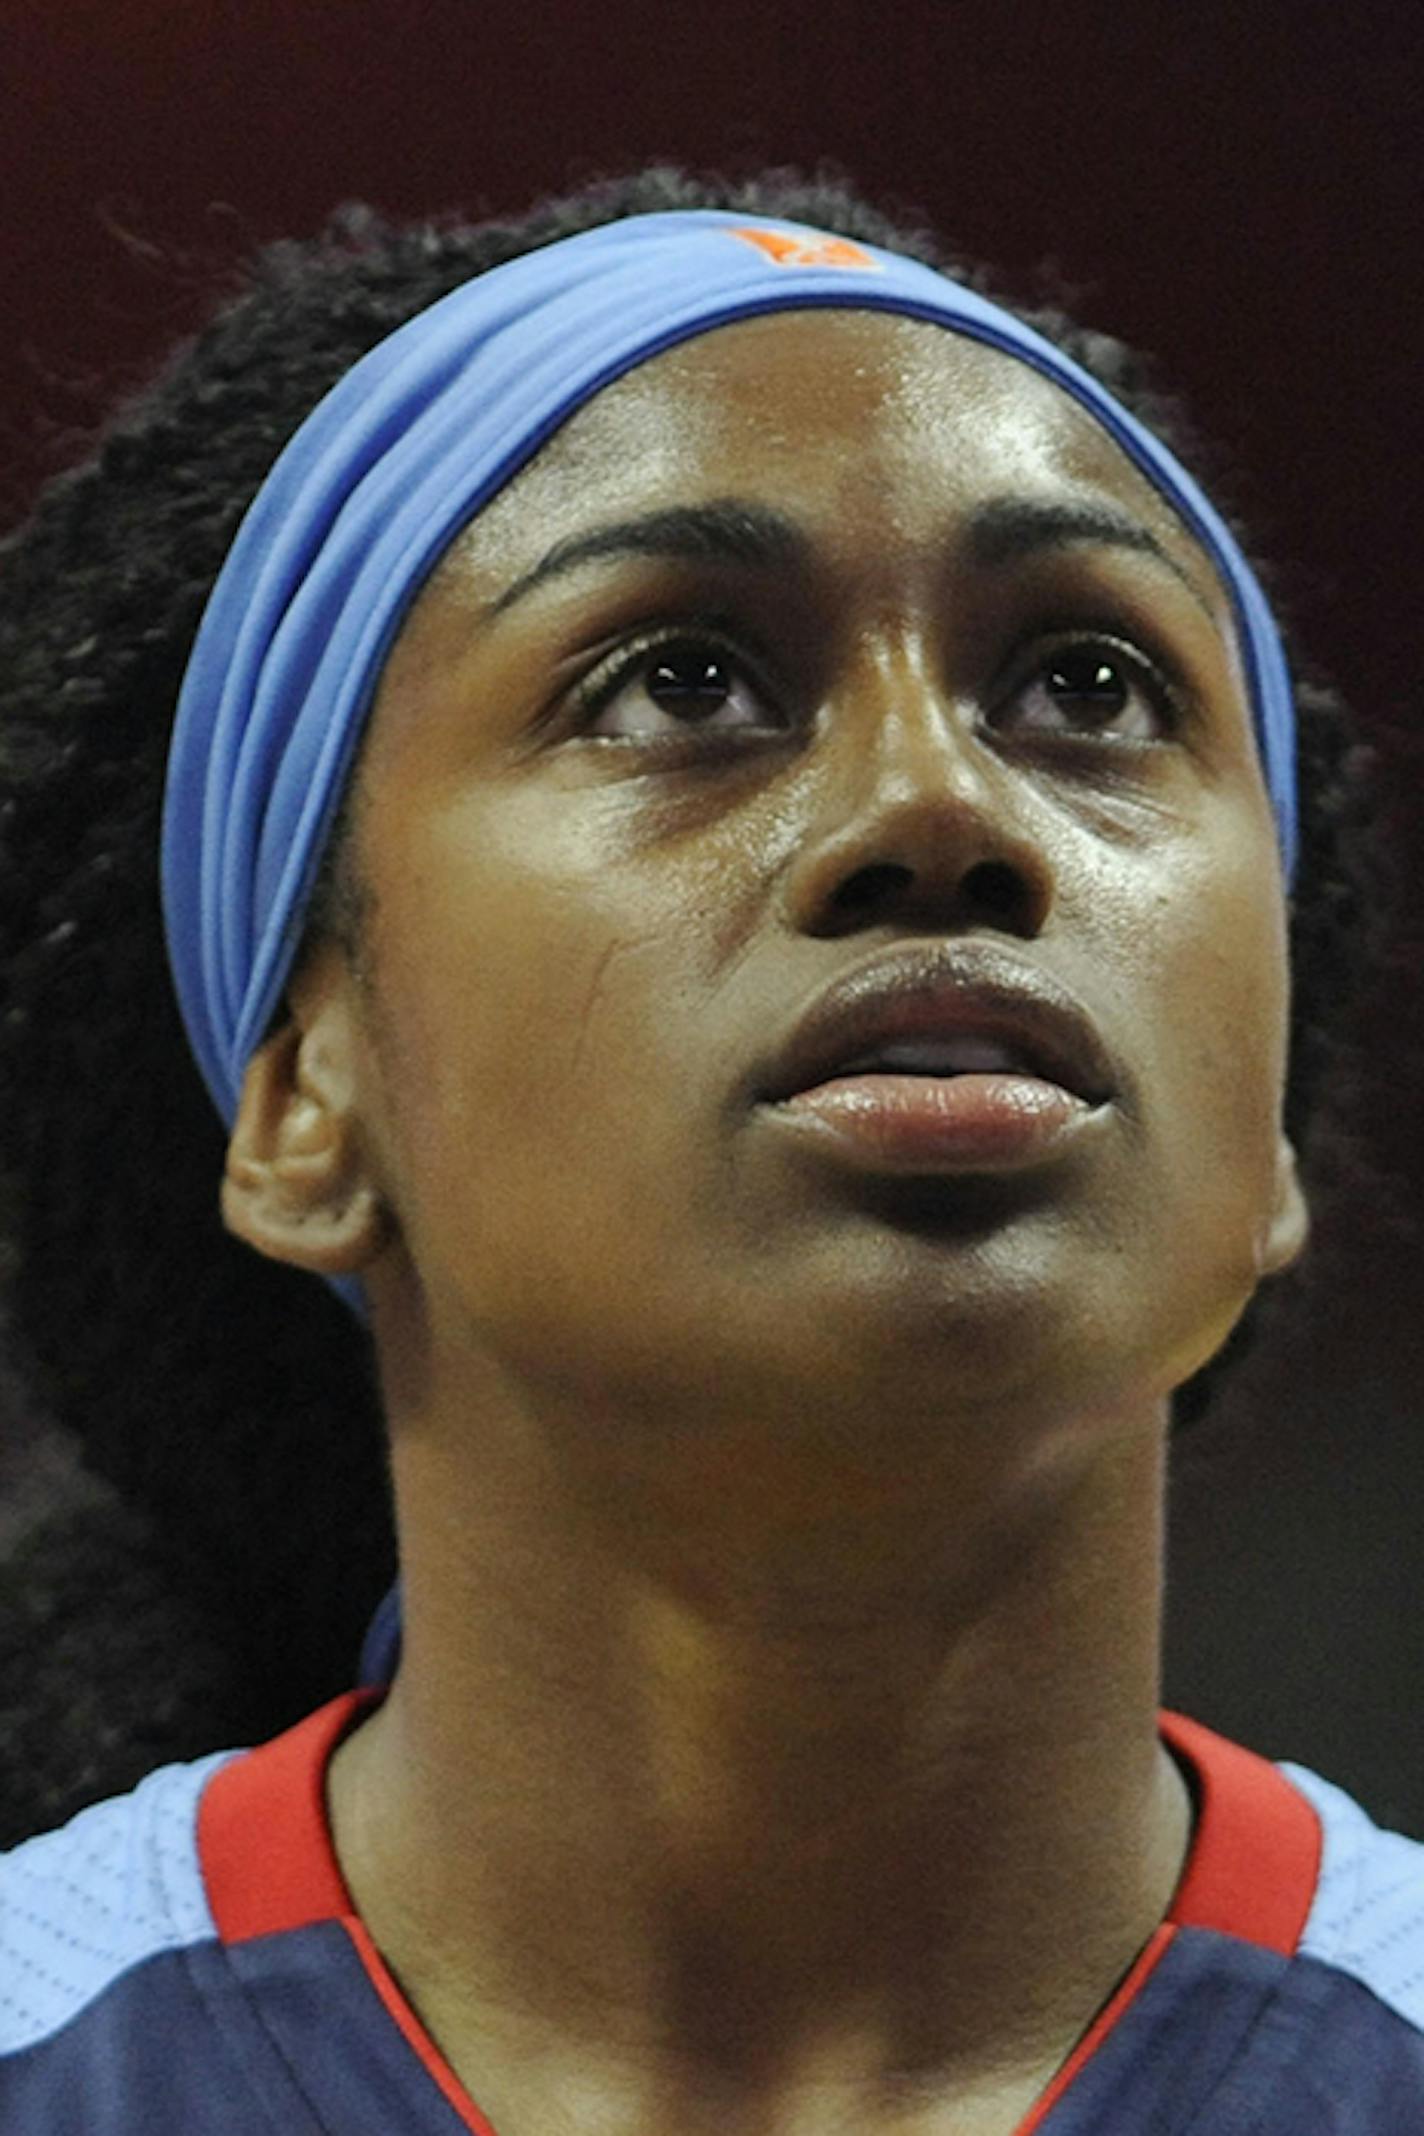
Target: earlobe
(295, 1185)
(1288, 1228)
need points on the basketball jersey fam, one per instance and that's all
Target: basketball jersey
(186, 1961)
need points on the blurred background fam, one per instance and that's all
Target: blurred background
(1232, 187)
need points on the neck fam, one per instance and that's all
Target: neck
(874, 1794)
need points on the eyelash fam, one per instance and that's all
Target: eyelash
(603, 684)
(1161, 679)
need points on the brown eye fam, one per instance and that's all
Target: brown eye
(690, 684)
(1087, 679)
(651, 690)
(1092, 689)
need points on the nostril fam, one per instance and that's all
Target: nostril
(994, 887)
(868, 885)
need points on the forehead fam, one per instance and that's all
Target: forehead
(869, 419)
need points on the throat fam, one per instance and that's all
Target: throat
(731, 1820)
(917, 2018)
(740, 1901)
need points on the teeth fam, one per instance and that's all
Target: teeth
(940, 1056)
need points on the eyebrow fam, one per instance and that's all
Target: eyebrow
(1009, 528)
(731, 530)
(734, 530)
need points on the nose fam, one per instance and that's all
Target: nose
(917, 819)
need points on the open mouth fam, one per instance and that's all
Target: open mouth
(944, 1057)
(966, 1053)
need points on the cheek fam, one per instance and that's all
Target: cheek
(1214, 1065)
(1191, 974)
(527, 1019)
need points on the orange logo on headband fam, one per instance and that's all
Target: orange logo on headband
(791, 250)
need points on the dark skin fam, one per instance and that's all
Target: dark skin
(774, 1748)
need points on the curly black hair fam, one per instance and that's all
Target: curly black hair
(230, 1403)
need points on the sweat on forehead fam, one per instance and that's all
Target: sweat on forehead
(644, 465)
(367, 496)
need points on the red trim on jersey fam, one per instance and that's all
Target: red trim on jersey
(416, 2036)
(1251, 1872)
(265, 1848)
(263, 1839)
(1255, 1858)
(1126, 1991)
(268, 1862)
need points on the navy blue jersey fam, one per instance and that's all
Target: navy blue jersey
(186, 1961)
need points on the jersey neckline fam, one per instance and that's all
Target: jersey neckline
(270, 1867)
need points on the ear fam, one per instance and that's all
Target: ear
(297, 1183)
(1288, 1226)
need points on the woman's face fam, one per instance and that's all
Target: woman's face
(822, 638)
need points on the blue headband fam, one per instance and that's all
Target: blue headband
(414, 439)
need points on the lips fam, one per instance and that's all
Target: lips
(943, 1009)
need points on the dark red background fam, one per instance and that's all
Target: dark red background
(1233, 187)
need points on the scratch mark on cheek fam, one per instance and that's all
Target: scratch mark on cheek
(598, 979)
